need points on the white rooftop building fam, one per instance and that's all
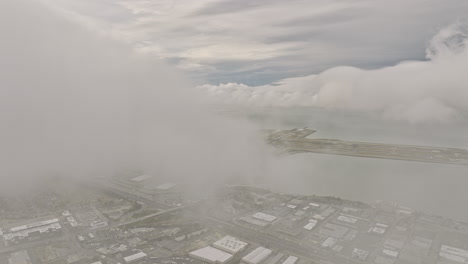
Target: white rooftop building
(347, 219)
(390, 253)
(264, 217)
(230, 244)
(329, 242)
(379, 229)
(211, 255)
(360, 254)
(141, 178)
(72, 221)
(312, 223)
(66, 213)
(290, 260)
(257, 256)
(19, 257)
(25, 233)
(454, 254)
(254, 221)
(135, 257)
(318, 217)
(314, 205)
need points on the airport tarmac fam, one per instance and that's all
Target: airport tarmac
(300, 140)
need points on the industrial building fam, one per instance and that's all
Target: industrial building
(230, 244)
(31, 233)
(294, 203)
(290, 260)
(360, 254)
(98, 224)
(19, 257)
(390, 253)
(454, 254)
(211, 255)
(379, 229)
(314, 205)
(72, 221)
(264, 217)
(257, 256)
(254, 221)
(347, 219)
(135, 257)
(329, 242)
(141, 178)
(312, 223)
(33, 225)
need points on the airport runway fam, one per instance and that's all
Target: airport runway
(298, 141)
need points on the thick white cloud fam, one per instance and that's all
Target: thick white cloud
(74, 104)
(416, 91)
(257, 41)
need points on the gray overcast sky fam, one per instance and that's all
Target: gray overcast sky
(257, 42)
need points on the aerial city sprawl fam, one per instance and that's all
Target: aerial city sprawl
(132, 218)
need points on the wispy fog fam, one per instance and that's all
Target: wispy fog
(73, 104)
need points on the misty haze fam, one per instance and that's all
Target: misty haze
(225, 131)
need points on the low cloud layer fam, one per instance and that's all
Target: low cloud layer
(433, 90)
(76, 105)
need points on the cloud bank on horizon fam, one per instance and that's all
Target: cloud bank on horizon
(327, 53)
(257, 42)
(434, 90)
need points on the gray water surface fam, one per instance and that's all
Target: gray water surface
(433, 188)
